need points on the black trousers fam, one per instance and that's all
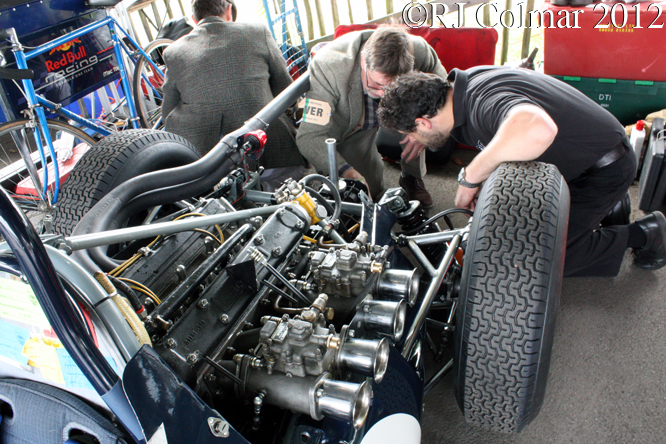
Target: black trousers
(594, 251)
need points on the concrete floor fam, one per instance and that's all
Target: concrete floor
(607, 381)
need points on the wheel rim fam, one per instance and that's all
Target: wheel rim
(148, 85)
(15, 176)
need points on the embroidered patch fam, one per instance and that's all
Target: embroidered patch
(315, 111)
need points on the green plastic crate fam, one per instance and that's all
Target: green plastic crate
(628, 100)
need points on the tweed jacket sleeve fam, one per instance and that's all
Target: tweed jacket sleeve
(170, 94)
(425, 58)
(311, 137)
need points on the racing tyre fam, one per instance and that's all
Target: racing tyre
(112, 161)
(511, 281)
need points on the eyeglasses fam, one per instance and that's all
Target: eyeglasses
(378, 88)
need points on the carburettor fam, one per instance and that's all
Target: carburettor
(345, 271)
(305, 345)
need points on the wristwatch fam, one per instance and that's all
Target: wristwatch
(463, 182)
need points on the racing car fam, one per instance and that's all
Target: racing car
(186, 305)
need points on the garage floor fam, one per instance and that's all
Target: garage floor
(607, 380)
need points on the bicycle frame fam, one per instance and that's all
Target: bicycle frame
(37, 103)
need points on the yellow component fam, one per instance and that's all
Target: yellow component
(309, 239)
(307, 203)
(125, 308)
(352, 229)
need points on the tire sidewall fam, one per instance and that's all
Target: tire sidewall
(466, 305)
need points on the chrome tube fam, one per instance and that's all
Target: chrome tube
(430, 295)
(332, 150)
(111, 237)
(421, 258)
(437, 238)
(346, 400)
(317, 397)
(399, 285)
(385, 317)
(365, 356)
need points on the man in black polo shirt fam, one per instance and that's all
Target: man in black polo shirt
(520, 115)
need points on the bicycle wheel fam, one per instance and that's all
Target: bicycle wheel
(17, 141)
(147, 84)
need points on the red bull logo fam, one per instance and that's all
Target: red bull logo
(68, 57)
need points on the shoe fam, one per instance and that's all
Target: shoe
(653, 255)
(620, 213)
(416, 190)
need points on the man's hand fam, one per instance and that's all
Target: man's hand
(466, 197)
(351, 173)
(412, 150)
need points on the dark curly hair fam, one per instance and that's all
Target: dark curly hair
(409, 97)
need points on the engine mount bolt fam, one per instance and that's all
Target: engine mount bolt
(277, 251)
(171, 342)
(224, 319)
(192, 358)
(300, 224)
(282, 212)
(259, 239)
(203, 304)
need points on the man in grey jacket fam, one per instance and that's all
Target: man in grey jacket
(347, 78)
(219, 76)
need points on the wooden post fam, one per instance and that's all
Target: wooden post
(368, 5)
(351, 16)
(167, 4)
(308, 17)
(182, 8)
(336, 14)
(146, 27)
(158, 19)
(505, 37)
(389, 7)
(527, 32)
(320, 18)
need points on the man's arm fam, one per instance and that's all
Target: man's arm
(311, 138)
(279, 77)
(525, 134)
(170, 94)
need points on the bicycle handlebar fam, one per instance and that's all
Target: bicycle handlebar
(17, 74)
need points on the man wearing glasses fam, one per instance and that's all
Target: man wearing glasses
(347, 79)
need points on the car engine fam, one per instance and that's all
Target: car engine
(268, 312)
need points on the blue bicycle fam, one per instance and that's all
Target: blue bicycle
(104, 52)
